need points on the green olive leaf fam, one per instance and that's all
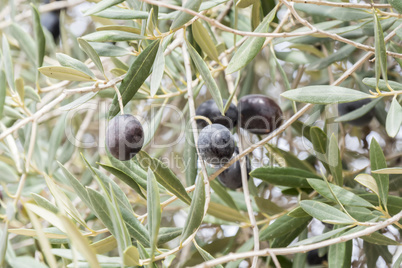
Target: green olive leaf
(196, 213)
(136, 76)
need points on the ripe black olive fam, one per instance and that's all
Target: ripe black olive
(259, 114)
(210, 110)
(344, 108)
(231, 177)
(124, 137)
(216, 144)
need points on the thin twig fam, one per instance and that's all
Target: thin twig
(336, 4)
(333, 35)
(303, 248)
(225, 28)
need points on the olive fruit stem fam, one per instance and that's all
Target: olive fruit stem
(119, 99)
(202, 118)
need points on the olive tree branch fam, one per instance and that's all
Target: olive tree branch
(57, 100)
(223, 27)
(333, 35)
(303, 248)
(314, 30)
(335, 4)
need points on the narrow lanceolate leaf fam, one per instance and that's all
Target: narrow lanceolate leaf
(90, 51)
(340, 255)
(136, 75)
(19, 85)
(134, 227)
(398, 261)
(46, 215)
(225, 213)
(371, 82)
(206, 76)
(321, 237)
(122, 14)
(380, 50)
(378, 161)
(196, 213)
(245, 3)
(334, 161)
(65, 73)
(102, 5)
(79, 189)
(165, 176)
(100, 209)
(320, 144)
(205, 254)
(105, 245)
(291, 177)
(78, 101)
(397, 5)
(168, 233)
(190, 157)
(43, 202)
(325, 213)
(43, 241)
(154, 210)
(8, 63)
(346, 197)
(358, 112)
(4, 242)
(204, 40)
(122, 235)
(324, 94)
(112, 36)
(39, 37)
(368, 181)
(27, 44)
(3, 91)
(120, 195)
(379, 239)
(55, 141)
(127, 179)
(68, 61)
(63, 202)
(80, 242)
(282, 225)
(388, 171)
(343, 53)
(251, 46)
(394, 118)
(184, 17)
(131, 256)
(158, 70)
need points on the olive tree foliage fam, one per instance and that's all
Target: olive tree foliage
(316, 182)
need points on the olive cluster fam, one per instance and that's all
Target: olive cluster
(257, 114)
